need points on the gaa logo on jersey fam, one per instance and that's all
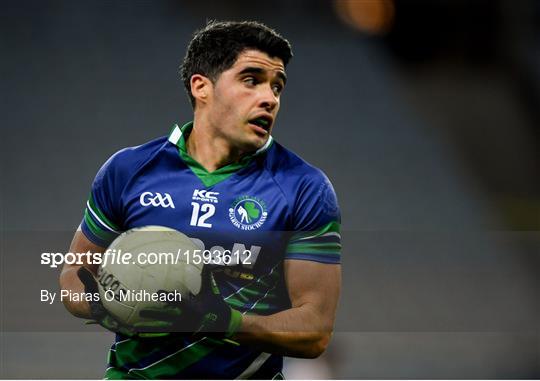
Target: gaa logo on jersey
(248, 213)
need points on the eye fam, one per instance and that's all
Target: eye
(277, 88)
(250, 80)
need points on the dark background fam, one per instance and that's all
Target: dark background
(424, 114)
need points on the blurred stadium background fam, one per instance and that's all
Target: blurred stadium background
(424, 113)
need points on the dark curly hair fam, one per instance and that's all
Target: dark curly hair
(216, 47)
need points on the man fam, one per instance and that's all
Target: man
(223, 181)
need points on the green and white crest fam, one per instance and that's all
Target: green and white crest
(248, 213)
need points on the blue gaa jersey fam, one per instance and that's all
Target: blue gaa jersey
(271, 205)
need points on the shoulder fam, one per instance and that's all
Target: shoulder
(130, 159)
(313, 205)
(293, 171)
(307, 189)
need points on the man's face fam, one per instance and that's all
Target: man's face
(244, 101)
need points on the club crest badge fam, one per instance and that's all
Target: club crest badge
(248, 213)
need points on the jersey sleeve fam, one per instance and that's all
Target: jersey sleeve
(316, 224)
(101, 223)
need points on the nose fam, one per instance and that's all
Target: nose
(268, 100)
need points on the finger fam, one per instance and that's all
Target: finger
(160, 314)
(153, 327)
(207, 280)
(151, 335)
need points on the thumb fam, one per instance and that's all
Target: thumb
(87, 279)
(208, 283)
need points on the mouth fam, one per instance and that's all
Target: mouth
(263, 122)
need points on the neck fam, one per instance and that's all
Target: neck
(209, 149)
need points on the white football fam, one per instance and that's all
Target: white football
(159, 270)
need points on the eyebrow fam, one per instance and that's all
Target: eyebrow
(258, 70)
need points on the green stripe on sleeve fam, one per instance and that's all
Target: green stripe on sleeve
(315, 252)
(96, 229)
(301, 247)
(309, 242)
(331, 227)
(100, 214)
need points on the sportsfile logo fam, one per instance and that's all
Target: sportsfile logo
(205, 196)
(156, 199)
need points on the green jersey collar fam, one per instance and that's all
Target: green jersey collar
(177, 137)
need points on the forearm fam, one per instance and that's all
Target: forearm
(71, 282)
(296, 332)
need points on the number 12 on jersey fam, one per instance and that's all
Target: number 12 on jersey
(200, 213)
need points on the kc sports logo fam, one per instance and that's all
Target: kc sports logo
(248, 213)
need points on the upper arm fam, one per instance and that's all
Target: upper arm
(316, 222)
(313, 254)
(102, 221)
(315, 286)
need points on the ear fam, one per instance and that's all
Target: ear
(201, 88)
